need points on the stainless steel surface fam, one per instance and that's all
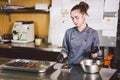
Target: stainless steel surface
(54, 49)
(28, 65)
(56, 74)
(107, 73)
(77, 74)
(92, 77)
(89, 67)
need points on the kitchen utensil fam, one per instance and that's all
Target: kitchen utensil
(88, 66)
(94, 61)
(94, 50)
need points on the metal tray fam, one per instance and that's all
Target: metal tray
(43, 65)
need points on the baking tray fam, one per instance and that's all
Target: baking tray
(28, 65)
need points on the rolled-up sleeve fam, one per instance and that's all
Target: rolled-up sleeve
(65, 45)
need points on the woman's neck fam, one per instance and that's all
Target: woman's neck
(82, 27)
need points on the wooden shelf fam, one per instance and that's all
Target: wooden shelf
(24, 10)
(9, 11)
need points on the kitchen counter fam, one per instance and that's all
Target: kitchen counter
(46, 53)
(44, 46)
(29, 51)
(55, 73)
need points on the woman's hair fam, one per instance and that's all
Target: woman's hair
(82, 6)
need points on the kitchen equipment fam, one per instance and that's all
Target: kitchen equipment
(23, 31)
(88, 66)
(28, 65)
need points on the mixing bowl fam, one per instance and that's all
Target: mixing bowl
(89, 66)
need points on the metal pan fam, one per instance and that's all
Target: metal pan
(28, 65)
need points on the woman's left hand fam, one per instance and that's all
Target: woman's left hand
(94, 55)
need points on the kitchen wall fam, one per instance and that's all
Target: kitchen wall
(102, 17)
(41, 20)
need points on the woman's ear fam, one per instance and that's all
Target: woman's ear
(84, 15)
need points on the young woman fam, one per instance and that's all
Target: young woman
(80, 39)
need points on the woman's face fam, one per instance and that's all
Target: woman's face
(77, 17)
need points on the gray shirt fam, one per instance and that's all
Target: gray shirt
(76, 43)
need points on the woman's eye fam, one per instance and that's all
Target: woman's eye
(77, 17)
(72, 18)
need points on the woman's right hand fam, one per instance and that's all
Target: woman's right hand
(61, 57)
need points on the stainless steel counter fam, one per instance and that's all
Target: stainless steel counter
(55, 73)
(77, 74)
(44, 47)
(48, 53)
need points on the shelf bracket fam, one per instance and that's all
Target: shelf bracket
(9, 17)
(9, 2)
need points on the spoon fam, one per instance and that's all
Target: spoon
(94, 61)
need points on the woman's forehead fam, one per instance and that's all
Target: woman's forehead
(75, 13)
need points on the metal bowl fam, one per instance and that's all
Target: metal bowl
(91, 76)
(89, 67)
